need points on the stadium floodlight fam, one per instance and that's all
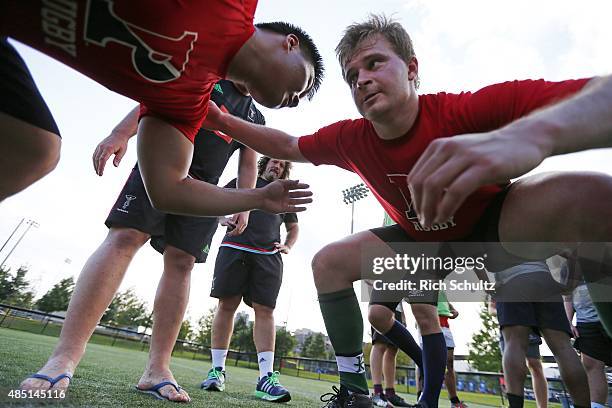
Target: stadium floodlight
(353, 194)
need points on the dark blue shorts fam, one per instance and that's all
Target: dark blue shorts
(134, 210)
(19, 95)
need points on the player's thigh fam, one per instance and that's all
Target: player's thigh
(554, 207)
(28, 153)
(342, 260)
(29, 136)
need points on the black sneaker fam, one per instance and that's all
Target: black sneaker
(343, 398)
(398, 401)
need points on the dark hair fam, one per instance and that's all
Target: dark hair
(263, 162)
(307, 46)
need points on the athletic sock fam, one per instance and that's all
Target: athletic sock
(378, 389)
(401, 337)
(515, 401)
(266, 363)
(344, 324)
(218, 358)
(419, 395)
(434, 366)
(455, 400)
(389, 392)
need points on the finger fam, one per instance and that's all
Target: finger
(297, 201)
(94, 158)
(294, 209)
(296, 185)
(416, 177)
(457, 192)
(118, 156)
(434, 187)
(102, 159)
(300, 193)
(426, 166)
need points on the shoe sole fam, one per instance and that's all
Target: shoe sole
(213, 387)
(273, 398)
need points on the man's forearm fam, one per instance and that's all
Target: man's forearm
(569, 307)
(247, 169)
(581, 122)
(270, 142)
(128, 125)
(292, 235)
(181, 199)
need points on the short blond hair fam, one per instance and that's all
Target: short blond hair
(390, 29)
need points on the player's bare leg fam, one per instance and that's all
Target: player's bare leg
(170, 303)
(517, 341)
(223, 323)
(28, 154)
(264, 332)
(572, 372)
(94, 290)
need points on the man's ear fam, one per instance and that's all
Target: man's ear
(291, 42)
(413, 68)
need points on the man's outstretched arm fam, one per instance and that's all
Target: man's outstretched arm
(451, 169)
(116, 143)
(267, 141)
(164, 157)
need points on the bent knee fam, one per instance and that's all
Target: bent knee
(178, 260)
(380, 317)
(229, 305)
(324, 262)
(263, 310)
(127, 238)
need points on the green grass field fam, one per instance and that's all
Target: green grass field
(107, 375)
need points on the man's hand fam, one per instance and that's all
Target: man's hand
(113, 144)
(240, 222)
(227, 222)
(214, 117)
(282, 248)
(283, 196)
(454, 314)
(452, 168)
(574, 331)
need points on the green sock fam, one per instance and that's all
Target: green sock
(344, 325)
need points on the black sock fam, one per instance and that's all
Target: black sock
(378, 389)
(515, 401)
(434, 366)
(401, 337)
(455, 400)
(389, 392)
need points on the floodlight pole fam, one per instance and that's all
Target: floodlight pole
(12, 233)
(353, 194)
(30, 224)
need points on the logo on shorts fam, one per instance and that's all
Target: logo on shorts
(206, 249)
(128, 199)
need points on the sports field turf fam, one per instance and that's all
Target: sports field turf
(107, 375)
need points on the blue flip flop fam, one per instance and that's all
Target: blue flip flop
(52, 380)
(154, 390)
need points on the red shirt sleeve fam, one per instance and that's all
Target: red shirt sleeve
(326, 146)
(497, 105)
